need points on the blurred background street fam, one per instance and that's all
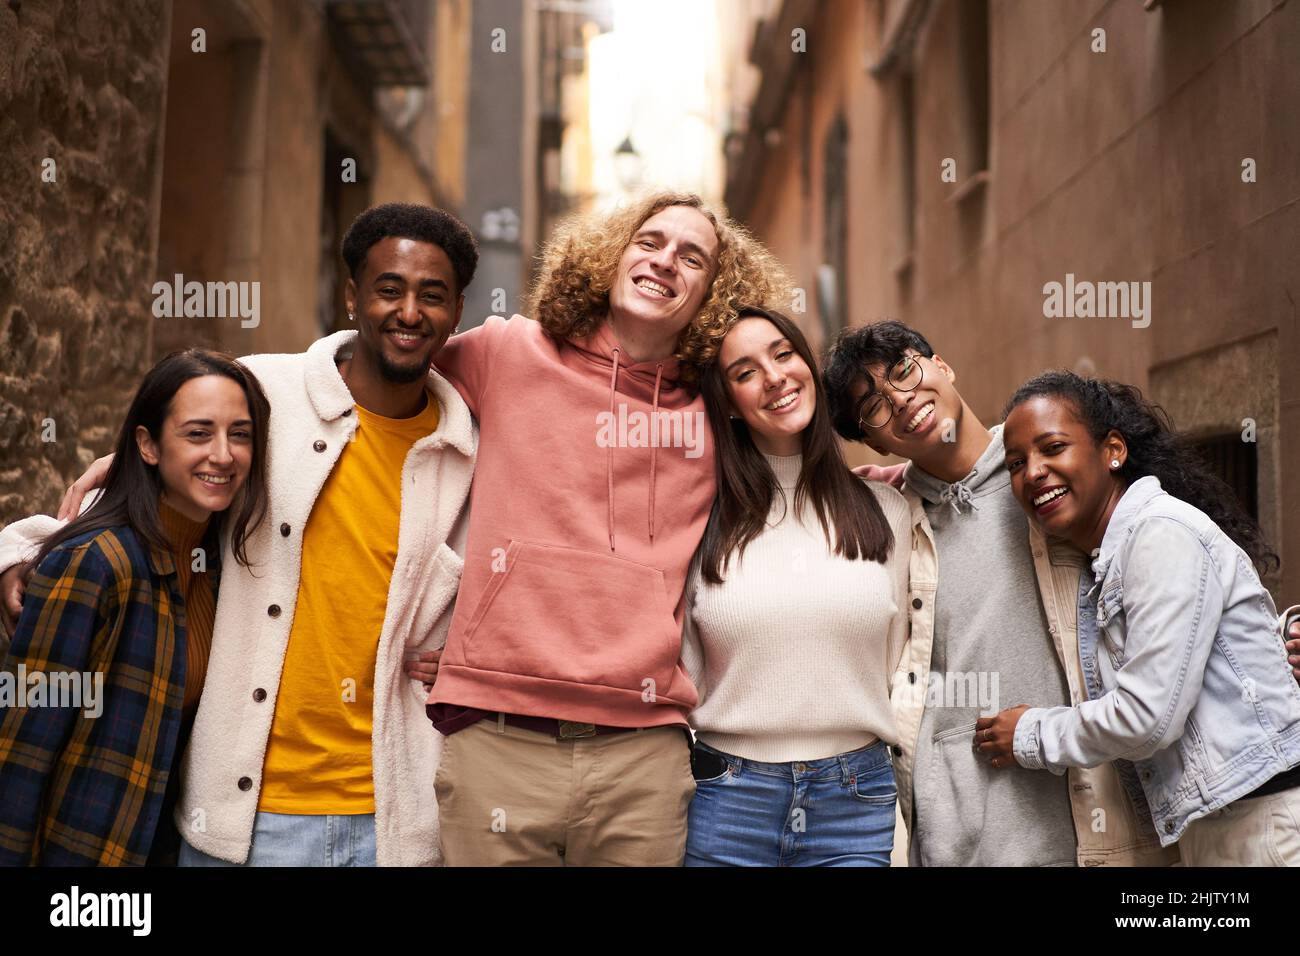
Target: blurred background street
(935, 161)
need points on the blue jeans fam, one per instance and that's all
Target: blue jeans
(286, 839)
(838, 811)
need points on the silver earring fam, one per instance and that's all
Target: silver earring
(1114, 463)
(351, 318)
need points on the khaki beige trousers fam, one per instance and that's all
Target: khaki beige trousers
(1257, 831)
(514, 797)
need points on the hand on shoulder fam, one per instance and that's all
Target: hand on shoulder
(887, 474)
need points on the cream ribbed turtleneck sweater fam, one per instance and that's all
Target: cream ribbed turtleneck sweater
(793, 652)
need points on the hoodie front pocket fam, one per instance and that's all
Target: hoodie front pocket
(952, 733)
(576, 616)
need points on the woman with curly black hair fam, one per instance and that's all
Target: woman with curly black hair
(1193, 696)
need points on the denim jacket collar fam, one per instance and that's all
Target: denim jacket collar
(1131, 503)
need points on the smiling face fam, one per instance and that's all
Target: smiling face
(916, 428)
(204, 447)
(1063, 479)
(406, 304)
(664, 274)
(769, 385)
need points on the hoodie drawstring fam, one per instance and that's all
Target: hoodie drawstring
(958, 494)
(654, 447)
(609, 459)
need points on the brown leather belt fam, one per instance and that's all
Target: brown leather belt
(564, 729)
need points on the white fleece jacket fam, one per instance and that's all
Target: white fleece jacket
(311, 421)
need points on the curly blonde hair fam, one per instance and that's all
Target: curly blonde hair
(571, 295)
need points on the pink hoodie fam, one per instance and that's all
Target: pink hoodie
(593, 486)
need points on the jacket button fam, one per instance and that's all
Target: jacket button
(245, 783)
(1169, 826)
(273, 610)
(347, 412)
(318, 445)
(285, 529)
(916, 603)
(898, 751)
(259, 695)
(911, 677)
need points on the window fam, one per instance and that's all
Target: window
(1237, 463)
(831, 284)
(973, 75)
(905, 160)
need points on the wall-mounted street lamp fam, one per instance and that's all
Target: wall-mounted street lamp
(500, 225)
(627, 164)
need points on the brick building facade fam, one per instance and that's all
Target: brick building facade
(942, 161)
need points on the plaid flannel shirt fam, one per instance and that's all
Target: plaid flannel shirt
(81, 790)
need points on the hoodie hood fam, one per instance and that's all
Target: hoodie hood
(635, 379)
(987, 476)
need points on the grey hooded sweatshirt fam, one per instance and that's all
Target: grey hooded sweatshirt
(992, 650)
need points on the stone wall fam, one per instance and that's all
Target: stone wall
(82, 82)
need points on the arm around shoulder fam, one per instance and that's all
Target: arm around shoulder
(891, 475)
(466, 359)
(20, 541)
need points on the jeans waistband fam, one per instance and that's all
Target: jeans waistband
(856, 762)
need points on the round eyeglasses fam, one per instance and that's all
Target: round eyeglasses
(905, 375)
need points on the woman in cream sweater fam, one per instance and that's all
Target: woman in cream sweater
(797, 619)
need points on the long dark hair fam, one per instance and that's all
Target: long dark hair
(846, 508)
(133, 486)
(1154, 448)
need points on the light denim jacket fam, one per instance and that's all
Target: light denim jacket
(1196, 688)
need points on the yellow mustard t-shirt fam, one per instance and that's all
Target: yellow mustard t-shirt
(318, 758)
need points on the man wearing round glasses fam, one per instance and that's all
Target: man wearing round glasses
(979, 631)
(905, 375)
